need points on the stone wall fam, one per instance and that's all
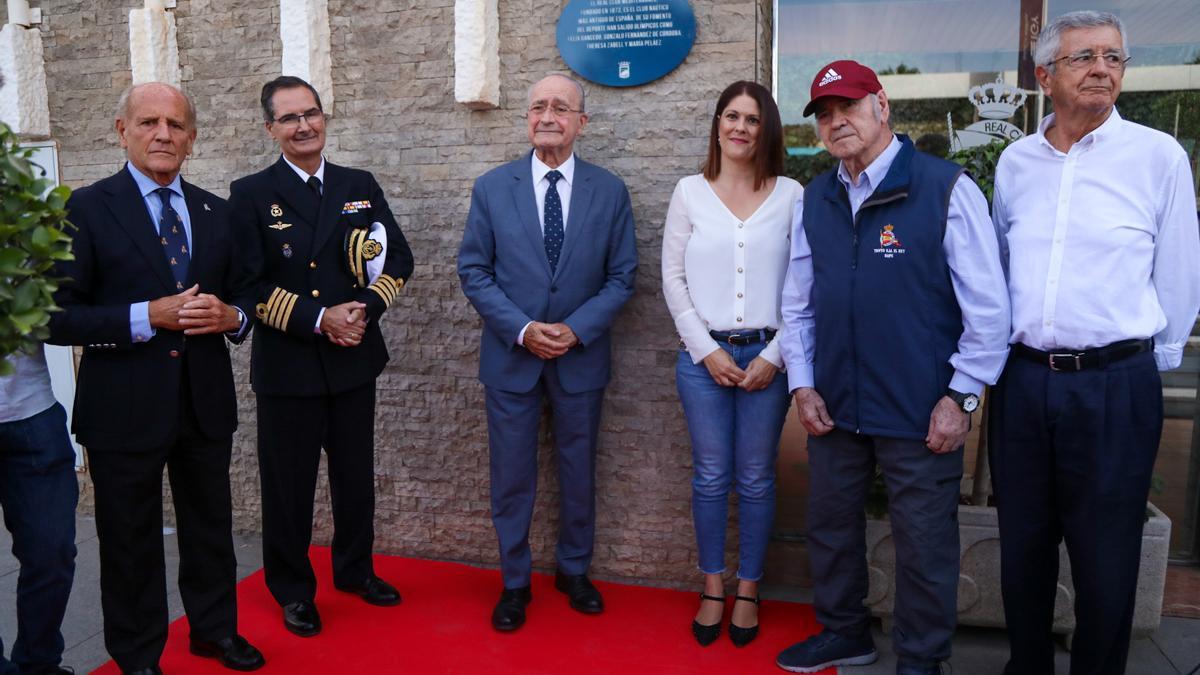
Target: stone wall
(395, 115)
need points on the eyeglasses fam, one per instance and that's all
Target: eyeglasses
(292, 121)
(560, 110)
(1085, 59)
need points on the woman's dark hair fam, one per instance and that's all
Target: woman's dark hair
(768, 160)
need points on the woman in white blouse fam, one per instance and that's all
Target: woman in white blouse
(724, 258)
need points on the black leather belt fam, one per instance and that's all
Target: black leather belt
(742, 337)
(1074, 361)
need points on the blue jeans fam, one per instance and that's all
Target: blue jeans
(38, 492)
(735, 440)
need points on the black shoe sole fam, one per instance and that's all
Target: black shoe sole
(216, 654)
(301, 633)
(368, 600)
(505, 628)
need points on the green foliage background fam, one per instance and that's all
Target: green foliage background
(33, 218)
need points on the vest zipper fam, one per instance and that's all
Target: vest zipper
(854, 268)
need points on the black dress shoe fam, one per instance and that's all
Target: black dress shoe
(509, 613)
(740, 637)
(152, 670)
(233, 652)
(706, 635)
(584, 596)
(375, 591)
(301, 618)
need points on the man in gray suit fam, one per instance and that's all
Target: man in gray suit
(547, 259)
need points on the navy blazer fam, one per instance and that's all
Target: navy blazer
(128, 395)
(505, 274)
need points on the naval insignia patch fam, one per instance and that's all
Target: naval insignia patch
(276, 212)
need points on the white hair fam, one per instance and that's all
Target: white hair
(568, 78)
(1051, 36)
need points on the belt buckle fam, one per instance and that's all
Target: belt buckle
(733, 338)
(1077, 368)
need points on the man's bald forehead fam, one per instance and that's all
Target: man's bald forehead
(126, 102)
(565, 78)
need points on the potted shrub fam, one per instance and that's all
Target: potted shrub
(32, 221)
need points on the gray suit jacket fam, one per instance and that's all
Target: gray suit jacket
(505, 274)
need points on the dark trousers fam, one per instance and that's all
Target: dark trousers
(513, 420)
(1071, 458)
(291, 432)
(38, 492)
(922, 489)
(129, 520)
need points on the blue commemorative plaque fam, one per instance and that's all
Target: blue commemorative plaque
(624, 43)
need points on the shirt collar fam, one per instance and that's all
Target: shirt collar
(147, 185)
(567, 169)
(320, 174)
(1106, 130)
(876, 170)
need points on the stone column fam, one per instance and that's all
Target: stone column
(23, 100)
(153, 51)
(304, 32)
(477, 54)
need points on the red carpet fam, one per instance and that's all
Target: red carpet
(443, 626)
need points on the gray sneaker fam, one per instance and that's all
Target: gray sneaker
(827, 649)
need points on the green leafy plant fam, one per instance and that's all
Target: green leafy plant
(33, 219)
(980, 161)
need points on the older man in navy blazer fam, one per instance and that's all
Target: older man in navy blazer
(547, 259)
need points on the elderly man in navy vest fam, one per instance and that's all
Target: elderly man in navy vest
(1098, 230)
(897, 316)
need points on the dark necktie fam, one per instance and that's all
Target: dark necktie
(314, 184)
(552, 218)
(173, 238)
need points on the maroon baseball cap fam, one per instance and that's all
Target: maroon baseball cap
(847, 79)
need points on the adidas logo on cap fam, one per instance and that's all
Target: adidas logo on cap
(831, 75)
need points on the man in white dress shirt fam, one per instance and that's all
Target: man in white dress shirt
(1097, 221)
(896, 318)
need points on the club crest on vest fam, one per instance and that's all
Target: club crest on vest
(889, 242)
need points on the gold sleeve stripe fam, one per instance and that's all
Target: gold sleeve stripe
(387, 288)
(279, 308)
(273, 306)
(289, 305)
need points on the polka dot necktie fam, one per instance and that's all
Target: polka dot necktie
(552, 217)
(173, 238)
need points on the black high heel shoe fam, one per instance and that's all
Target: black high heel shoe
(706, 635)
(740, 637)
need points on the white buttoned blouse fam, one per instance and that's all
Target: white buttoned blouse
(721, 272)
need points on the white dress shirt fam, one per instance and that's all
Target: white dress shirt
(972, 254)
(540, 185)
(1100, 243)
(725, 273)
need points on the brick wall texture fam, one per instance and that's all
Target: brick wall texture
(395, 115)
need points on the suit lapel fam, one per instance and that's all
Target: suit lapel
(293, 191)
(200, 215)
(129, 208)
(334, 196)
(581, 201)
(526, 202)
